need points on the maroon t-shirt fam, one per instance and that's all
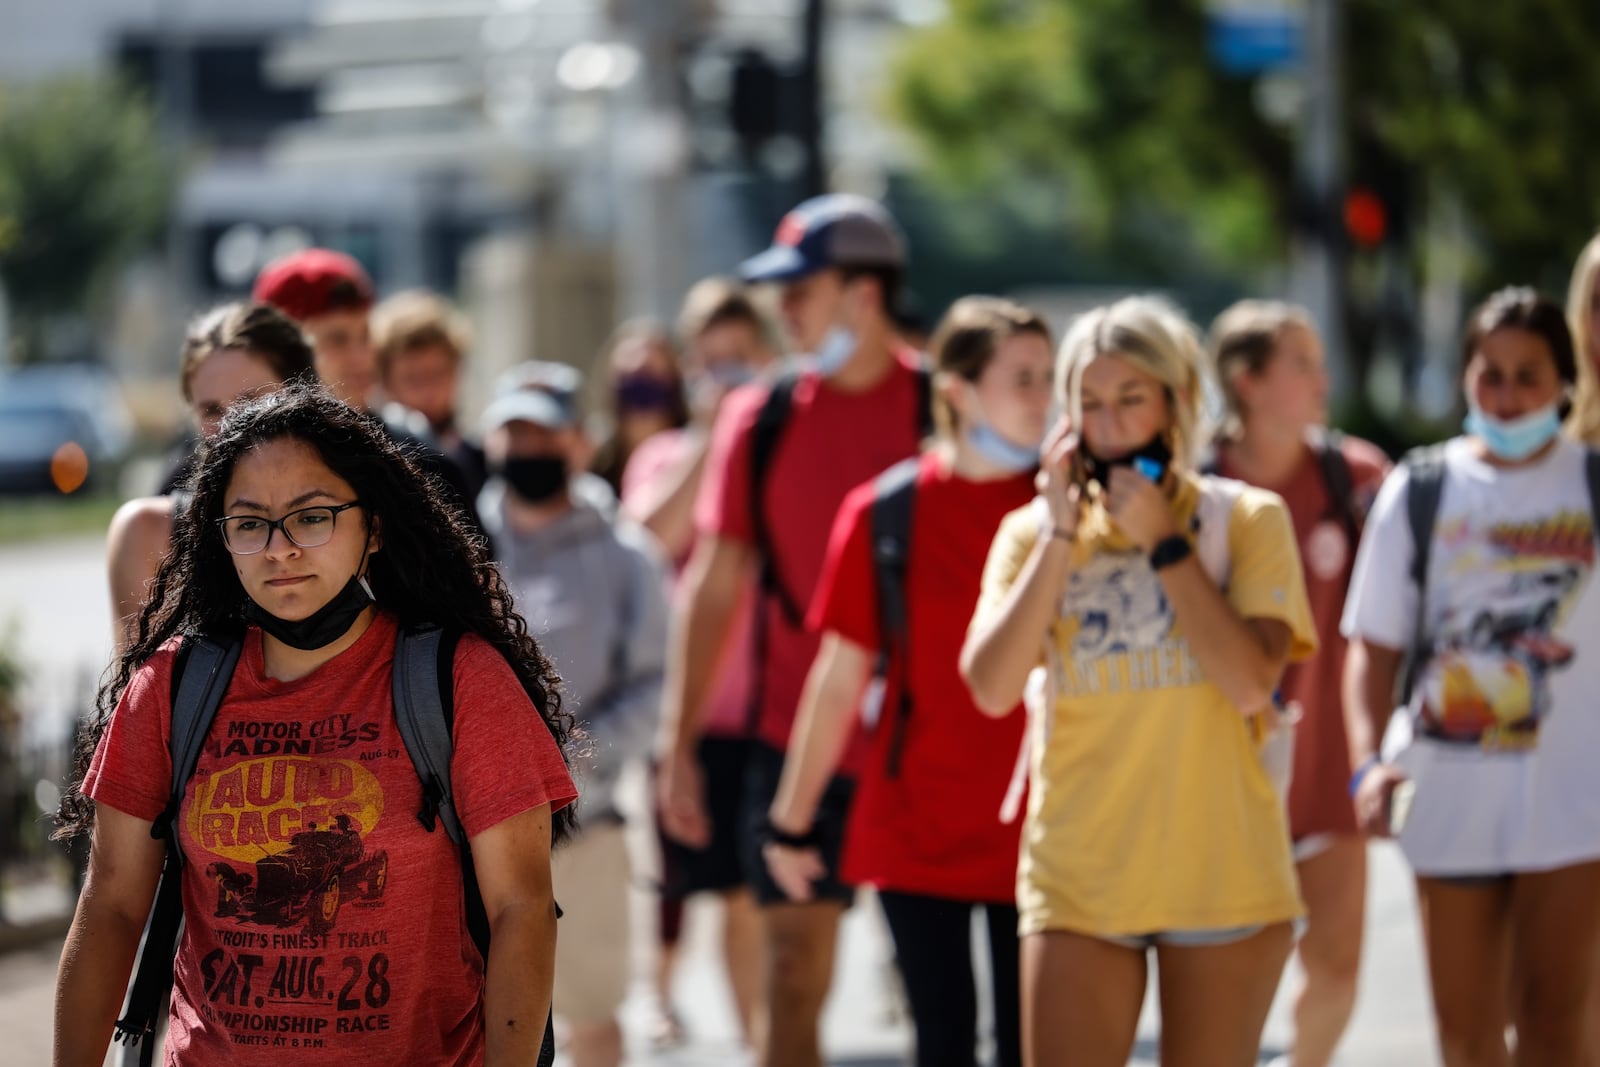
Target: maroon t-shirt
(1319, 792)
(322, 923)
(935, 828)
(833, 442)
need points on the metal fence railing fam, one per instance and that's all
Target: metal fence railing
(39, 875)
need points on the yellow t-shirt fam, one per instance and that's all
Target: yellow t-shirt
(1149, 809)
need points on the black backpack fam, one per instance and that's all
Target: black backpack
(424, 706)
(1425, 470)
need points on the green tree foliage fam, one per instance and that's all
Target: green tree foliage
(84, 185)
(1119, 103)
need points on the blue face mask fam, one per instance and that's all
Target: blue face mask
(730, 375)
(835, 351)
(1002, 453)
(1515, 439)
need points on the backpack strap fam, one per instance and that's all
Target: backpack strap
(924, 386)
(1340, 482)
(198, 687)
(764, 437)
(424, 711)
(201, 672)
(892, 507)
(425, 727)
(1424, 493)
(1214, 520)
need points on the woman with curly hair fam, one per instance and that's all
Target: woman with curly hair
(315, 542)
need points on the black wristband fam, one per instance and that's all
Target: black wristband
(772, 835)
(1170, 550)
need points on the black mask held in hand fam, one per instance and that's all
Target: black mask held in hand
(535, 478)
(1152, 459)
(322, 627)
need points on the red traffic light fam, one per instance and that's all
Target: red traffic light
(1366, 220)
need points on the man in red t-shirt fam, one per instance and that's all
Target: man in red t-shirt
(855, 411)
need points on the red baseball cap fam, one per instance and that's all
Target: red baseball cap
(312, 282)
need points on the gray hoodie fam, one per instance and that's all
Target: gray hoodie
(593, 590)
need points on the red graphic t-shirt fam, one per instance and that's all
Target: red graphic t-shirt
(934, 829)
(1319, 790)
(832, 442)
(321, 921)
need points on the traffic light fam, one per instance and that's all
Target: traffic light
(1366, 220)
(1377, 199)
(755, 99)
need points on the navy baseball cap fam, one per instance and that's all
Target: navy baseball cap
(837, 230)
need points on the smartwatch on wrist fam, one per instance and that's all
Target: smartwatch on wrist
(1170, 550)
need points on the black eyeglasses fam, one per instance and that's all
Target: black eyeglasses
(245, 535)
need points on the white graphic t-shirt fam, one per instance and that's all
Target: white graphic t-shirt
(1503, 728)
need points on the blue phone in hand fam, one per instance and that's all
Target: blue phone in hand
(1148, 467)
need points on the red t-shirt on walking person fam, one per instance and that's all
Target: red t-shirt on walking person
(1319, 790)
(935, 828)
(322, 923)
(833, 441)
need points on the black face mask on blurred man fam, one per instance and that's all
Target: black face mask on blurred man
(536, 479)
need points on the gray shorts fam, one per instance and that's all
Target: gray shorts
(1222, 935)
(1208, 938)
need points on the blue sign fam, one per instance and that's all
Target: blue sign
(1255, 40)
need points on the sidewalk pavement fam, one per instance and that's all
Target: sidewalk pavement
(862, 1027)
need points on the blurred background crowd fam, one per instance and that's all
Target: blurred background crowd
(547, 180)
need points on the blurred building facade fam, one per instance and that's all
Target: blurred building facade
(557, 165)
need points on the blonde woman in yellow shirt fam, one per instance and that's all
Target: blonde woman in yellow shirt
(1165, 606)
(1583, 319)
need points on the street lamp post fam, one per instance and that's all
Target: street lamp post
(1316, 278)
(814, 177)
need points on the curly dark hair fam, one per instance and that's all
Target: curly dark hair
(431, 568)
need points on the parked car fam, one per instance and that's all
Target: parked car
(46, 407)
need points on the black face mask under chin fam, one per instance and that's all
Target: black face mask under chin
(535, 479)
(1152, 459)
(322, 627)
